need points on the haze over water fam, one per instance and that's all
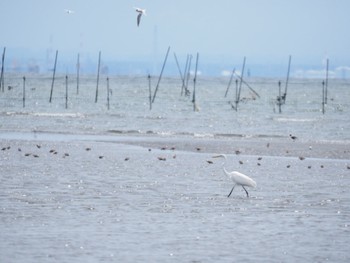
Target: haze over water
(222, 32)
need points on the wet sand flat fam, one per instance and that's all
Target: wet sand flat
(152, 198)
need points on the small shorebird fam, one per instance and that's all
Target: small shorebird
(141, 12)
(293, 137)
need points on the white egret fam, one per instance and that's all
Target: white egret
(237, 177)
(141, 12)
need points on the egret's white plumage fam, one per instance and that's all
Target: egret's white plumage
(141, 12)
(237, 177)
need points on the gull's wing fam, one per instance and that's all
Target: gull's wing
(68, 11)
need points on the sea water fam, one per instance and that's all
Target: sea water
(130, 184)
(172, 113)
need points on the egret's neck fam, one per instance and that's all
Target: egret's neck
(223, 167)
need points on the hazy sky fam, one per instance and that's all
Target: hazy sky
(259, 29)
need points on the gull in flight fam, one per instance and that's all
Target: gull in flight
(141, 12)
(69, 11)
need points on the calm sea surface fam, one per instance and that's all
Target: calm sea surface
(130, 184)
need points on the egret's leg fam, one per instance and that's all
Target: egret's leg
(245, 191)
(231, 191)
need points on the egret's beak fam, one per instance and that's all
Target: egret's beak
(216, 156)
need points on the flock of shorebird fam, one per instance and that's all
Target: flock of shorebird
(140, 12)
(52, 151)
(239, 179)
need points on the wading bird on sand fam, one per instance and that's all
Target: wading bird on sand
(293, 137)
(237, 177)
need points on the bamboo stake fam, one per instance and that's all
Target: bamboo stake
(236, 97)
(188, 75)
(323, 97)
(326, 88)
(249, 87)
(236, 94)
(160, 76)
(98, 75)
(178, 67)
(150, 91)
(2, 81)
(229, 83)
(108, 93)
(53, 76)
(66, 92)
(240, 85)
(24, 91)
(279, 99)
(287, 81)
(78, 72)
(194, 85)
(184, 79)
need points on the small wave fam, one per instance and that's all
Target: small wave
(166, 133)
(232, 135)
(47, 114)
(125, 131)
(281, 119)
(330, 141)
(191, 134)
(11, 113)
(44, 114)
(236, 135)
(203, 135)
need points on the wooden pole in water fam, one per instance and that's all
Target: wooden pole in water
(24, 91)
(229, 83)
(108, 93)
(188, 75)
(249, 87)
(279, 99)
(287, 81)
(326, 88)
(150, 91)
(78, 72)
(98, 75)
(178, 67)
(184, 79)
(66, 92)
(240, 85)
(2, 81)
(161, 74)
(194, 85)
(236, 98)
(53, 76)
(323, 97)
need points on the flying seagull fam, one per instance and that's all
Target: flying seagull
(141, 12)
(68, 11)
